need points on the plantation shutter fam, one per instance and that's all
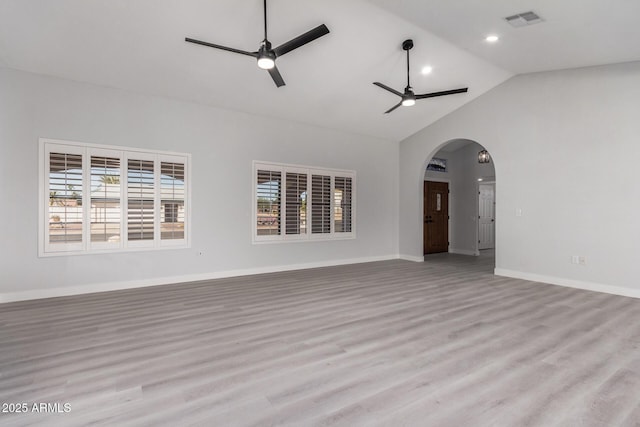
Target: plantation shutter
(294, 203)
(296, 193)
(320, 204)
(268, 193)
(65, 198)
(105, 199)
(172, 196)
(140, 200)
(342, 204)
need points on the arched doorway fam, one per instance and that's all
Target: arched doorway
(459, 200)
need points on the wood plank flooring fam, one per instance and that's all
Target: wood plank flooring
(394, 343)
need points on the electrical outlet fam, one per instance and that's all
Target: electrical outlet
(519, 212)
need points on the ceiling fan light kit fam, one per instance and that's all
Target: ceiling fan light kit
(409, 101)
(408, 97)
(265, 55)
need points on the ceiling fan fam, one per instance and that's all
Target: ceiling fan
(409, 97)
(265, 55)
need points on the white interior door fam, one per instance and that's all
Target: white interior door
(486, 216)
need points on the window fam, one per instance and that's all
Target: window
(321, 204)
(296, 205)
(140, 200)
(105, 200)
(172, 200)
(268, 203)
(302, 203)
(102, 198)
(65, 185)
(342, 204)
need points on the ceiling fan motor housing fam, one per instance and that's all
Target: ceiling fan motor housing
(265, 51)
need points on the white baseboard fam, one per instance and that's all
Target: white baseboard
(114, 286)
(451, 251)
(570, 283)
(411, 258)
(463, 252)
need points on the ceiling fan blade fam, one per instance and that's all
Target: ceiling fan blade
(443, 93)
(217, 46)
(393, 108)
(301, 40)
(385, 87)
(275, 75)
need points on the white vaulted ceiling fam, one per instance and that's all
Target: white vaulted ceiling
(573, 33)
(139, 46)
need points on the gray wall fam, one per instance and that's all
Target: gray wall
(223, 144)
(565, 146)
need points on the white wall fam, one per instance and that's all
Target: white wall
(223, 144)
(551, 136)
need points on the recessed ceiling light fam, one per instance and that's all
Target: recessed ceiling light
(427, 69)
(492, 38)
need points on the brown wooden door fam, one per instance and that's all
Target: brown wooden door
(436, 217)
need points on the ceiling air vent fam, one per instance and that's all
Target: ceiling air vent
(523, 19)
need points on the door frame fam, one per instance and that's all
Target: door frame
(477, 240)
(448, 181)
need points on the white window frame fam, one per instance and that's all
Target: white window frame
(46, 249)
(308, 236)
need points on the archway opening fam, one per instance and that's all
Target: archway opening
(459, 201)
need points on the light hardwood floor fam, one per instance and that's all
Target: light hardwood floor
(394, 343)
